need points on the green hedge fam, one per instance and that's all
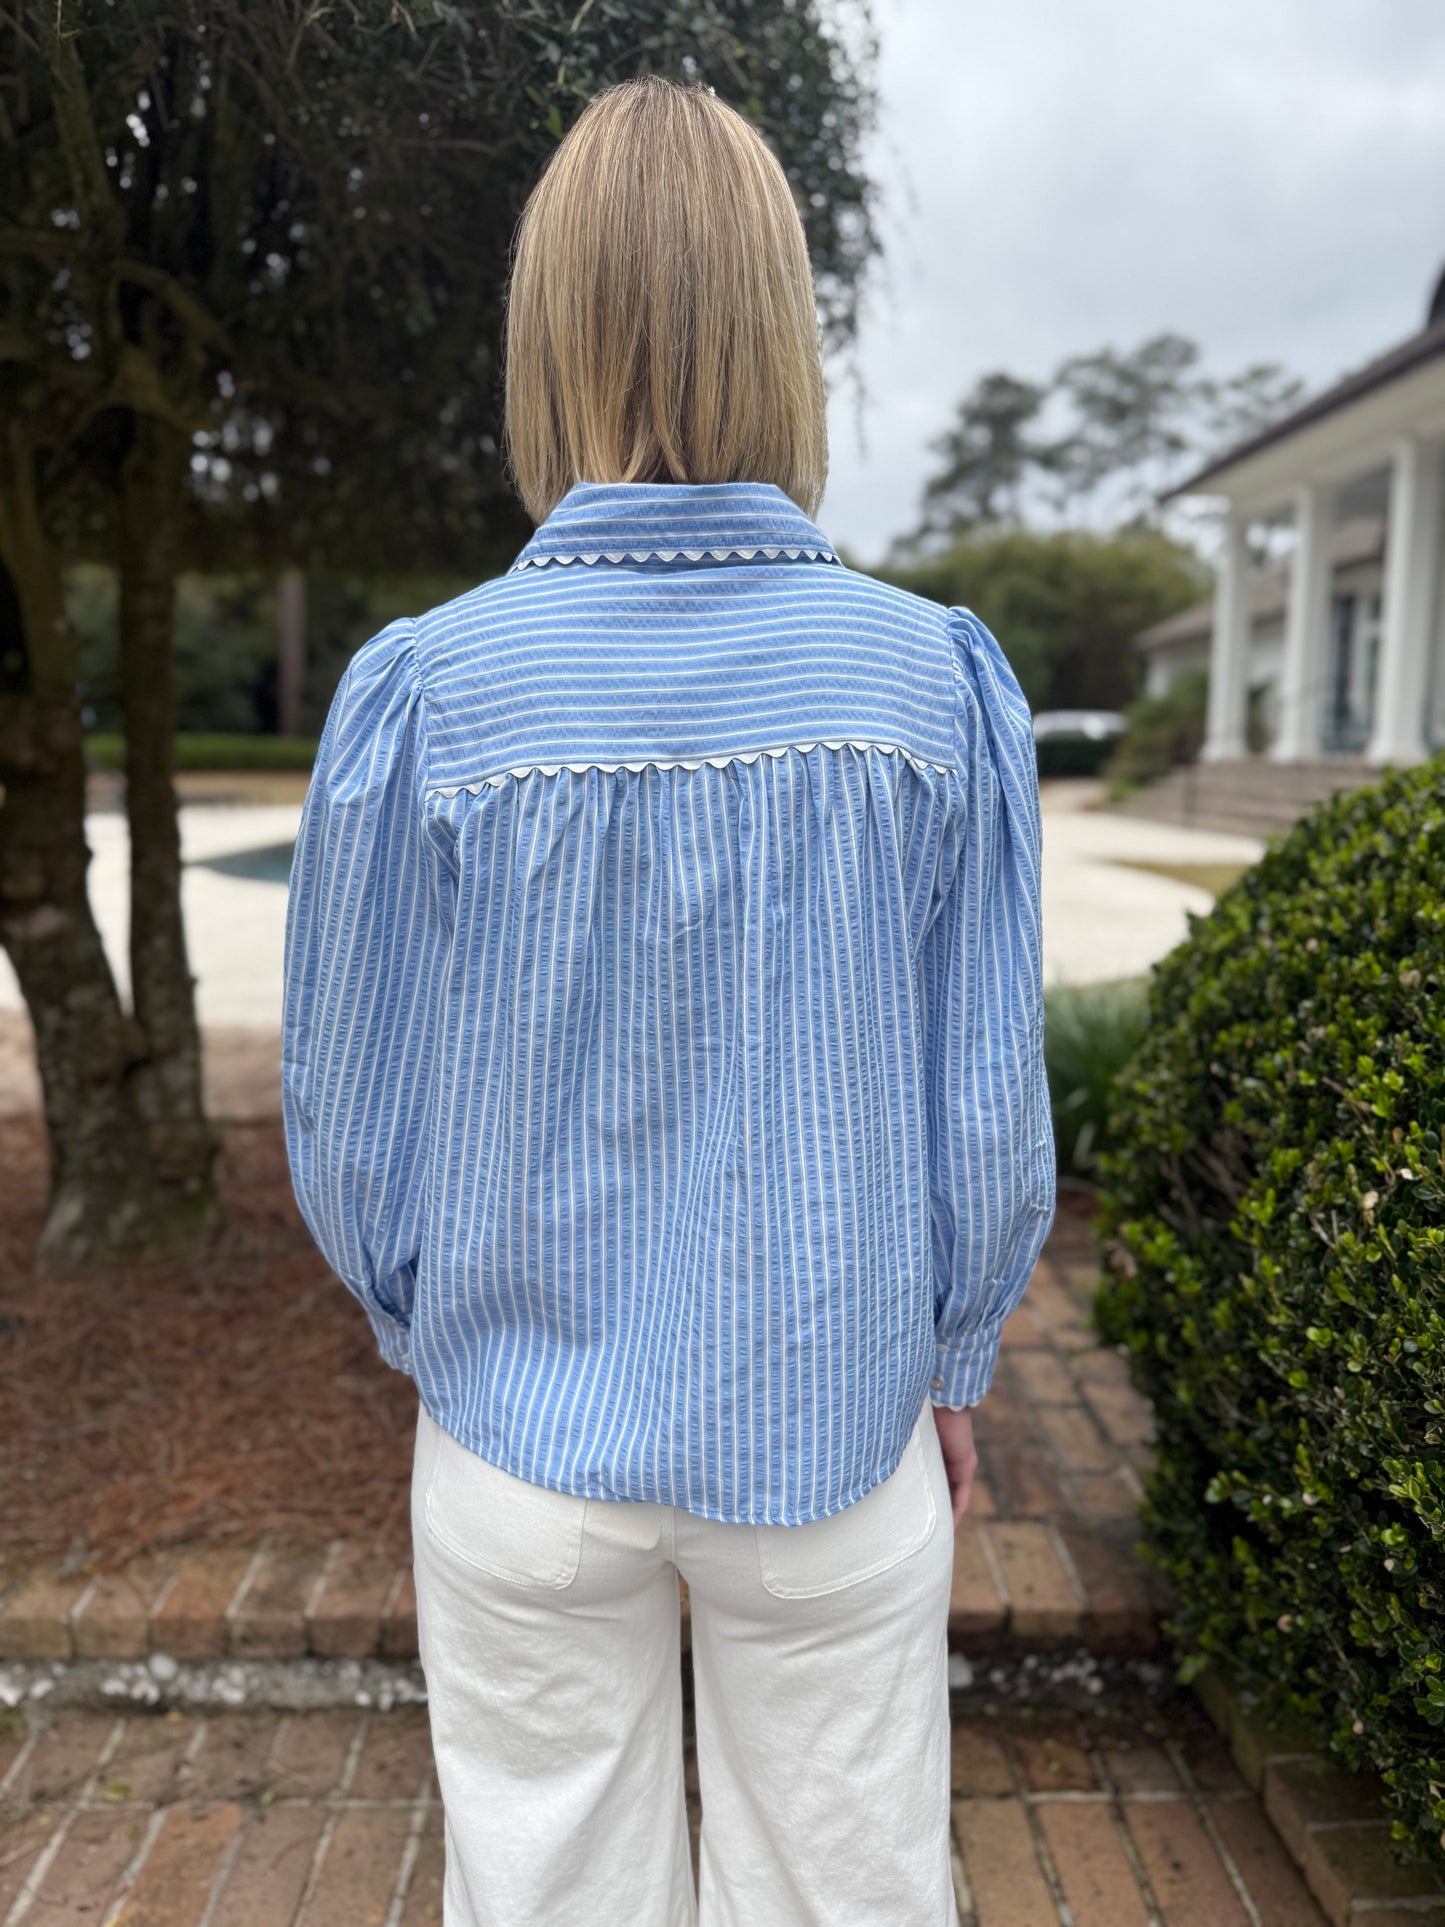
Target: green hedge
(1073, 755)
(1161, 733)
(1274, 1231)
(232, 752)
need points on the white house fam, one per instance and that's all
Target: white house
(1181, 644)
(1340, 653)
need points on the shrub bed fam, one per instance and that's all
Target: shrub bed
(1073, 755)
(219, 752)
(1161, 733)
(1273, 1223)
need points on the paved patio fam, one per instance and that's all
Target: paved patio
(1103, 918)
(331, 1819)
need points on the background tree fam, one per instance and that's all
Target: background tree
(1092, 448)
(1096, 444)
(987, 455)
(1132, 420)
(251, 265)
(1065, 605)
(1137, 422)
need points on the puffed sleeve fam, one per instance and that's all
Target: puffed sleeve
(367, 940)
(991, 1148)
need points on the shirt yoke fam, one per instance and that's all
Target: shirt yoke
(610, 666)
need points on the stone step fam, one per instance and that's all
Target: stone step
(1250, 797)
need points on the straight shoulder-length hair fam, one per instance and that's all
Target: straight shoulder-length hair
(661, 319)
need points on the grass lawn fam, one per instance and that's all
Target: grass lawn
(1213, 877)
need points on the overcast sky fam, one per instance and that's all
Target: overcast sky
(1266, 176)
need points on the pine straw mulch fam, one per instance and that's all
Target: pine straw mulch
(157, 1405)
(164, 1404)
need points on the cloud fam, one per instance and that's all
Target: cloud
(1058, 174)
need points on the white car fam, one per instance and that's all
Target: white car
(1086, 725)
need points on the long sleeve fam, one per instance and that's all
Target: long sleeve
(367, 938)
(991, 1149)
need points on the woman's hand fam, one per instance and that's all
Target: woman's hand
(955, 1435)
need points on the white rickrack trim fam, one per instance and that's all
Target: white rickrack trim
(684, 762)
(672, 555)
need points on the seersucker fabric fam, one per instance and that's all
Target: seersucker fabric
(663, 1017)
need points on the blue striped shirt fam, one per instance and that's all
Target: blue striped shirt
(663, 1016)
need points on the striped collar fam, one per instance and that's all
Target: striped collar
(675, 521)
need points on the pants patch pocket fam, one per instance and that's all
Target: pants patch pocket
(500, 1524)
(880, 1530)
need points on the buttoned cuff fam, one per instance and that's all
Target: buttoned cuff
(392, 1337)
(963, 1372)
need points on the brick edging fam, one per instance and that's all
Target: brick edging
(1331, 1820)
(345, 1600)
(1044, 1560)
(1024, 1584)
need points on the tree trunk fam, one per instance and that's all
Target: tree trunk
(168, 1078)
(291, 651)
(86, 1046)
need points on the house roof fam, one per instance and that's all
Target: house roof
(1355, 542)
(1379, 373)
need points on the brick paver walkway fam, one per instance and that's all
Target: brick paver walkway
(1047, 1552)
(331, 1819)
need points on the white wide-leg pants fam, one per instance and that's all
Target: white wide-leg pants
(549, 1637)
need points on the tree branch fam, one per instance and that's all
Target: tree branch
(195, 316)
(79, 143)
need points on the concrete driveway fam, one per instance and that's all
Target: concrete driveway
(1104, 918)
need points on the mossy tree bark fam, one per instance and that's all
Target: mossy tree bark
(131, 1157)
(85, 1044)
(168, 1078)
(132, 1154)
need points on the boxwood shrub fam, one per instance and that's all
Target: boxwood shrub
(1273, 1225)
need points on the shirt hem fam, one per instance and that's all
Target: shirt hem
(590, 1489)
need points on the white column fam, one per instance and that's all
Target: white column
(1224, 735)
(1412, 556)
(1306, 628)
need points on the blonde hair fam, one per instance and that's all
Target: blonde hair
(661, 322)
